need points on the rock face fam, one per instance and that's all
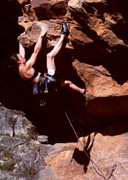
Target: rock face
(90, 28)
(14, 123)
(69, 161)
(101, 89)
(95, 57)
(21, 155)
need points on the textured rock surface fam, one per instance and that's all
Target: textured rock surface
(21, 155)
(110, 97)
(14, 123)
(69, 161)
(53, 9)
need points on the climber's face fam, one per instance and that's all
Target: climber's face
(21, 59)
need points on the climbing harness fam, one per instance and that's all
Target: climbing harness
(44, 85)
(98, 170)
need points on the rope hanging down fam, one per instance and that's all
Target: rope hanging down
(98, 170)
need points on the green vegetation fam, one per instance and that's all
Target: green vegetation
(7, 153)
(24, 123)
(4, 134)
(8, 166)
(27, 138)
(29, 170)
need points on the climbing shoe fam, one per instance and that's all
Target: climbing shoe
(64, 28)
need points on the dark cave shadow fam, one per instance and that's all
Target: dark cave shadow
(9, 31)
(112, 120)
(122, 32)
(109, 115)
(122, 7)
(51, 118)
(115, 125)
(116, 63)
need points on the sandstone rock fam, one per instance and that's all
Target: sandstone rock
(52, 9)
(29, 16)
(110, 97)
(30, 37)
(103, 153)
(93, 21)
(99, 82)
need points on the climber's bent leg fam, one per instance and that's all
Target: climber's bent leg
(73, 86)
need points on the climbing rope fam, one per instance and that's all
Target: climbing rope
(99, 172)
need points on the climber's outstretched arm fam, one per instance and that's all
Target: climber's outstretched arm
(21, 50)
(36, 51)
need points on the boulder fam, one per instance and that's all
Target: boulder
(21, 154)
(93, 157)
